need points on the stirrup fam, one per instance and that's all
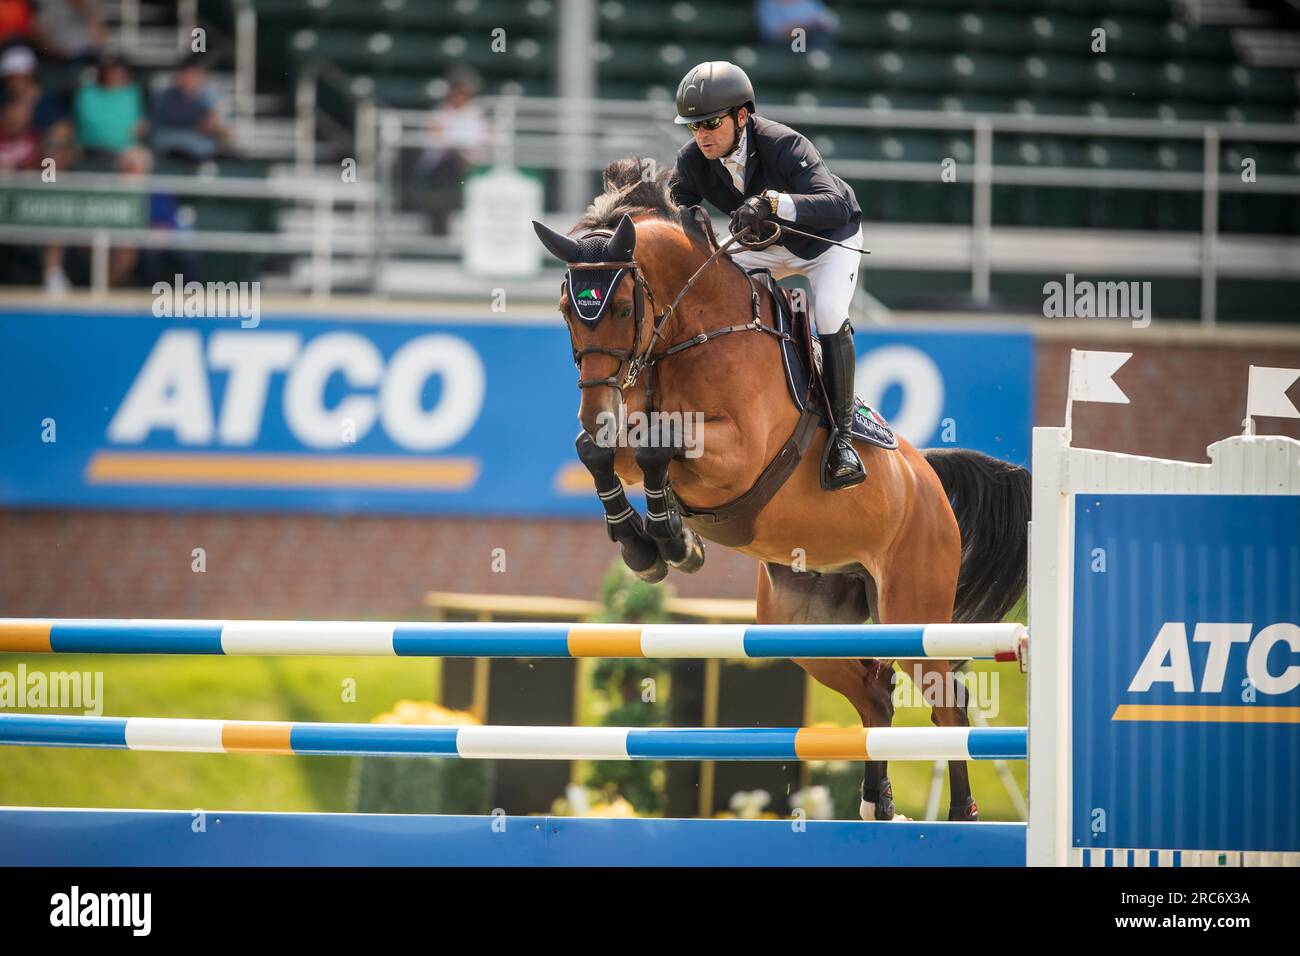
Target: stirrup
(836, 484)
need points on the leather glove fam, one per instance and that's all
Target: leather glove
(752, 212)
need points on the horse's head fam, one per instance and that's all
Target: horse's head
(606, 315)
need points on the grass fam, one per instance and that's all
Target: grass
(249, 688)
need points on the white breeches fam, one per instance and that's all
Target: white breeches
(833, 276)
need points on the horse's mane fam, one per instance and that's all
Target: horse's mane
(629, 191)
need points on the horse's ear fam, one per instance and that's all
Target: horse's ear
(562, 247)
(623, 242)
(698, 229)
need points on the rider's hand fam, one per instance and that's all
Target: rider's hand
(749, 216)
(753, 211)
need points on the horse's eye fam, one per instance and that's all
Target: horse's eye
(625, 312)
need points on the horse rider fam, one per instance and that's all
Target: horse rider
(761, 171)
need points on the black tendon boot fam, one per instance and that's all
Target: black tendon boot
(841, 466)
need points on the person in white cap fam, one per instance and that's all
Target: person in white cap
(18, 81)
(49, 124)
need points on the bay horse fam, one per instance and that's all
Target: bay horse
(930, 537)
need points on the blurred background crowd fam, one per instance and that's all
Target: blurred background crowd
(72, 101)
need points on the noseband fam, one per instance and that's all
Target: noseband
(637, 362)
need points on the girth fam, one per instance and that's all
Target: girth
(732, 524)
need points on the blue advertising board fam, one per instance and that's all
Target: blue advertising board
(344, 414)
(1186, 695)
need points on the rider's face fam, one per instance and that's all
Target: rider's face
(715, 143)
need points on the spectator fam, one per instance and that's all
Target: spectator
(458, 134)
(52, 131)
(777, 19)
(21, 149)
(132, 163)
(185, 119)
(73, 29)
(109, 114)
(20, 144)
(59, 145)
(18, 81)
(127, 266)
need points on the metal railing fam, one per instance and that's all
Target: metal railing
(245, 67)
(322, 194)
(537, 132)
(309, 118)
(533, 132)
(130, 37)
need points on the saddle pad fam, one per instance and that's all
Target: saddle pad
(868, 425)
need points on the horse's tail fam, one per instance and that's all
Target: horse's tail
(991, 500)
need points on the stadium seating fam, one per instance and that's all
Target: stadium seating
(1029, 58)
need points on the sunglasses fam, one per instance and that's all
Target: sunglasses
(709, 124)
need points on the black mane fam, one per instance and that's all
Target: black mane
(629, 192)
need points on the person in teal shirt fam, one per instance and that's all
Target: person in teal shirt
(109, 112)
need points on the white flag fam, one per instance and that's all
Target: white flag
(1090, 376)
(1266, 392)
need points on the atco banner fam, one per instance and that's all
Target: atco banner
(351, 415)
(1186, 658)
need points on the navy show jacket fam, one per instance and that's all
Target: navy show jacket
(782, 159)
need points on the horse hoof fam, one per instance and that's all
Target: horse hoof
(694, 559)
(967, 814)
(641, 554)
(882, 808)
(653, 574)
(869, 813)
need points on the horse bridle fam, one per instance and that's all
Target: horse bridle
(640, 292)
(637, 362)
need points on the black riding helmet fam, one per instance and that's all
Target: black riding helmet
(713, 89)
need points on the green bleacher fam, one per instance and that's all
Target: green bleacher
(1030, 57)
(1023, 57)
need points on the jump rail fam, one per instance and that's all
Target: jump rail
(1002, 642)
(519, 743)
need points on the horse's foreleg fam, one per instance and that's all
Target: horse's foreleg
(622, 523)
(678, 545)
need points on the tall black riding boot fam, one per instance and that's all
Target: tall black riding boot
(841, 466)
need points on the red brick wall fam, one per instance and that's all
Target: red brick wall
(134, 564)
(1183, 395)
(137, 564)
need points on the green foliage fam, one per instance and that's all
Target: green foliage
(422, 785)
(626, 598)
